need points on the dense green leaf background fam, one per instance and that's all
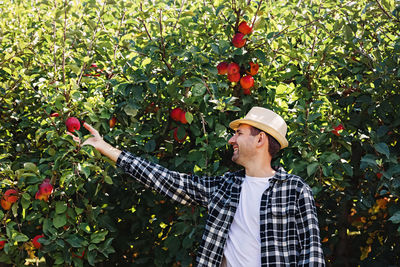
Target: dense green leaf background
(322, 64)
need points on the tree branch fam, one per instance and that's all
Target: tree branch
(55, 39)
(144, 24)
(64, 39)
(386, 13)
(255, 16)
(162, 45)
(91, 42)
(179, 15)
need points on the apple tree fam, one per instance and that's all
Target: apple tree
(145, 75)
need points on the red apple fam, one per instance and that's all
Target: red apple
(246, 91)
(244, 28)
(35, 241)
(40, 196)
(93, 66)
(72, 124)
(183, 118)
(5, 204)
(112, 122)
(2, 243)
(222, 68)
(78, 256)
(234, 77)
(336, 129)
(253, 69)
(247, 82)
(54, 114)
(46, 188)
(176, 114)
(176, 136)
(233, 68)
(238, 40)
(379, 175)
(11, 195)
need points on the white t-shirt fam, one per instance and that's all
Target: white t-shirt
(243, 246)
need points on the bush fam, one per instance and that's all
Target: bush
(321, 66)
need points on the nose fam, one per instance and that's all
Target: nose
(232, 140)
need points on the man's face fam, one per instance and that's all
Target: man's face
(243, 144)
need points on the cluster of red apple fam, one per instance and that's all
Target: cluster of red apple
(35, 241)
(337, 130)
(73, 123)
(233, 70)
(2, 244)
(179, 115)
(9, 197)
(95, 71)
(45, 190)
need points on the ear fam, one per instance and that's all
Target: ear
(262, 139)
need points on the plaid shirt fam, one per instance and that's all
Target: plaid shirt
(288, 220)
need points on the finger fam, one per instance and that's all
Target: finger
(92, 130)
(76, 138)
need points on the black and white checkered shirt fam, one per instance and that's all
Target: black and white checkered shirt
(288, 220)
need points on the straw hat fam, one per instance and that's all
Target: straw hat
(266, 120)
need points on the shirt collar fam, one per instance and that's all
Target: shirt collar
(280, 174)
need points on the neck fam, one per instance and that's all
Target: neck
(260, 168)
(260, 173)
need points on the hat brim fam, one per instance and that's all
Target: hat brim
(275, 134)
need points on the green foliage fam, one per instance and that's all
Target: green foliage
(322, 64)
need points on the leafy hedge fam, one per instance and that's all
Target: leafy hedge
(330, 68)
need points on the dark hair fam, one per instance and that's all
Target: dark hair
(273, 145)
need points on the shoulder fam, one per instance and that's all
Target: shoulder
(291, 181)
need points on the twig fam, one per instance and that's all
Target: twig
(55, 39)
(144, 24)
(237, 11)
(16, 84)
(309, 77)
(255, 16)
(91, 42)
(118, 33)
(273, 37)
(9, 59)
(303, 26)
(179, 15)
(203, 123)
(162, 45)
(384, 11)
(65, 38)
(206, 85)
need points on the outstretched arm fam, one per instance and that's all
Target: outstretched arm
(98, 143)
(183, 188)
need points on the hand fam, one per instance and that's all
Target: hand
(96, 140)
(98, 143)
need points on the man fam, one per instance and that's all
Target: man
(258, 216)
